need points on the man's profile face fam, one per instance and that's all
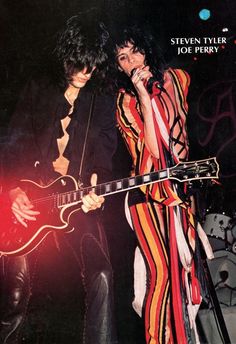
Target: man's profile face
(129, 58)
(80, 78)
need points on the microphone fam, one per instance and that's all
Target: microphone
(153, 86)
(132, 72)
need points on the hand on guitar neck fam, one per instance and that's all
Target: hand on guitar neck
(92, 201)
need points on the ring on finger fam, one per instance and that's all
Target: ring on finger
(140, 77)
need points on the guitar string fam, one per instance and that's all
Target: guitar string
(86, 190)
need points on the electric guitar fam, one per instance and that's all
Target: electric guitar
(61, 198)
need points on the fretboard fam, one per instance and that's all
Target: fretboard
(112, 187)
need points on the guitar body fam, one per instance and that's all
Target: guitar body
(16, 239)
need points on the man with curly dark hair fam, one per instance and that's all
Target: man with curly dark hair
(63, 124)
(151, 112)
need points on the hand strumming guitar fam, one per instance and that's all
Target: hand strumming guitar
(21, 206)
(23, 210)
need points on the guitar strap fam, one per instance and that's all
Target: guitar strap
(80, 183)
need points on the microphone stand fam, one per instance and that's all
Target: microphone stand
(216, 306)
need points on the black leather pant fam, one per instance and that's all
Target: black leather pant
(88, 244)
(15, 297)
(89, 241)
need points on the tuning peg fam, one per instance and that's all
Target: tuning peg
(201, 182)
(190, 184)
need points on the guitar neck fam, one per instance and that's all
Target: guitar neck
(112, 187)
(182, 172)
(124, 184)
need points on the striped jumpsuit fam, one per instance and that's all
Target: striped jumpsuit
(162, 219)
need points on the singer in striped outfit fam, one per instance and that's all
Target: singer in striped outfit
(151, 115)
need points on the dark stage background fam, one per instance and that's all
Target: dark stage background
(27, 33)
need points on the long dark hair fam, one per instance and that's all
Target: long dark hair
(81, 44)
(145, 43)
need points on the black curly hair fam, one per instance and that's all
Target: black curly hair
(145, 43)
(82, 44)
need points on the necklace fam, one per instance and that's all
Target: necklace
(71, 94)
(70, 98)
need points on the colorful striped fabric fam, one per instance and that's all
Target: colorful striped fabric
(164, 224)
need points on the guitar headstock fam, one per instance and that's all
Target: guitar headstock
(194, 170)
